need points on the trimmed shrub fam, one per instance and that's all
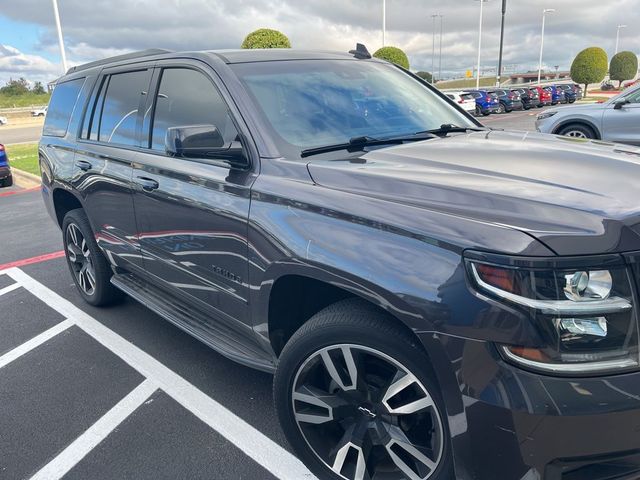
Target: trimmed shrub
(393, 55)
(266, 38)
(425, 76)
(589, 66)
(624, 66)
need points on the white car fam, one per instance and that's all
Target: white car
(3, 120)
(465, 100)
(39, 112)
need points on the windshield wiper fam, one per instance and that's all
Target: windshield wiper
(447, 128)
(357, 144)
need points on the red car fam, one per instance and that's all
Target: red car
(541, 96)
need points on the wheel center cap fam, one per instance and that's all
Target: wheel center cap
(365, 411)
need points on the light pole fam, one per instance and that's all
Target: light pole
(60, 39)
(433, 49)
(544, 16)
(384, 20)
(482, 2)
(618, 37)
(504, 12)
(440, 59)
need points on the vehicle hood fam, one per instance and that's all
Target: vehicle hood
(577, 109)
(575, 196)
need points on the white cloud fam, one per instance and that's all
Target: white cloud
(98, 29)
(16, 64)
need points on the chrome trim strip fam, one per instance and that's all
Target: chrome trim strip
(586, 367)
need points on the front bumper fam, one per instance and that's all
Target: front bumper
(510, 424)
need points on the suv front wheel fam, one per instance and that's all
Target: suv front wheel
(89, 268)
(357, 399)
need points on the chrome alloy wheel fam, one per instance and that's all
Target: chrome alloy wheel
(575, 134)
(80, 259)
(366, 416)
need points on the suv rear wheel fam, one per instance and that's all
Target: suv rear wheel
(357, 399)
(89, 269)
(577, 130)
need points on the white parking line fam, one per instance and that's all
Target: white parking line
(81, 446)
(10, 288)
(252, 442)
(36, 341)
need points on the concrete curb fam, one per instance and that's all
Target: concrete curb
(25, 179)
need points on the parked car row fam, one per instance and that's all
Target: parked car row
(504, 100)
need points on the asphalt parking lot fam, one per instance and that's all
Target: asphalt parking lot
(516, 120)
(116, 392)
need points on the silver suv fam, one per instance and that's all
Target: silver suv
(617, 120)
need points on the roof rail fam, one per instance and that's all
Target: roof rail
(127, 56)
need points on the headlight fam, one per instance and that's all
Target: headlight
(585, 316)
(544, 115)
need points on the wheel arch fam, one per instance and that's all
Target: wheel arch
(578, 121)
(295, 295)
(63, 202)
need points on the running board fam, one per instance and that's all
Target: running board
(219, 335)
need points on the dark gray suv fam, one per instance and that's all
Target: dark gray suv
(437, 300)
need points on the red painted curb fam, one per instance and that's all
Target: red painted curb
(32, 260)
(18, 192)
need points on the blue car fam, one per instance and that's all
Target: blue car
(557, 95)
(6, 179)
(486, 102)
(570, 93)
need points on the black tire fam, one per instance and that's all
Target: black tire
(486, 114)
(540, 105)
(7, 182)
(100, 291)
(478, 111)
(502, 108)
(577, 130)
(362, 328)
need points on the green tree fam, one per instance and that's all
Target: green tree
(393, 55)
(266, 38)
(38, 89)
(15, 87)
(624, 66)
(425, 76)
(589, 66)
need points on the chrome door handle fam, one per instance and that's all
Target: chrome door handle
(147, 184)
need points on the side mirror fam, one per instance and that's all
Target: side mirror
(203, 142)
(192, 141)
(620, 104)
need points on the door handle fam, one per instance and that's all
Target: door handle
(147, 184)
(83, 165)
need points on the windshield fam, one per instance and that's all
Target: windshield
(313, 103)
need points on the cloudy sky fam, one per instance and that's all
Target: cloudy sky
(98, 28)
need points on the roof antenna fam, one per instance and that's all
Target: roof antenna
(360, 52)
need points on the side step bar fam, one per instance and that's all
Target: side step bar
(222, 337)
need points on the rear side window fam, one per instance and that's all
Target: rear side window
(467, 96)
(115, 114)
(186, 97)
(61, 106)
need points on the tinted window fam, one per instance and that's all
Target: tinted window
(187, 97)
(117, 108)
(61, 106)
(633, 97)
(451, 96)
(476, 95)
